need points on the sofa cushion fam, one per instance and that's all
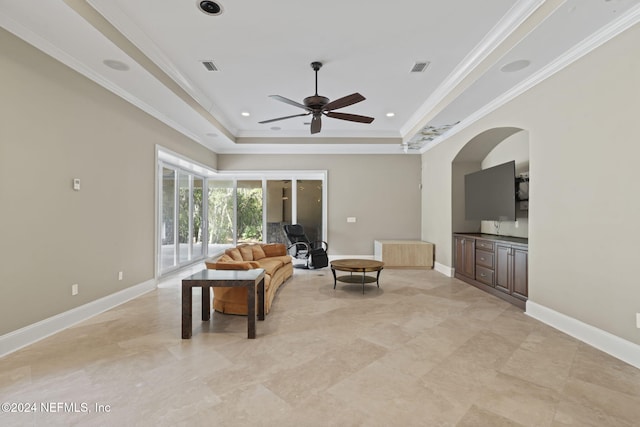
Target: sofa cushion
(258, 253)
(270, 265)
(274, 249)
(236, 265)
(246, 252)
(234, 253)
(285, 259)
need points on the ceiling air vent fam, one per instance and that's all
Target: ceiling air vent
(419, 67)
(209, 65)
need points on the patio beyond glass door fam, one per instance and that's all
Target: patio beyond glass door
(198, 218)
(220, 215)
(309, 207)
(249, 212)
(184, 217)
(278, 210)
(167, 230)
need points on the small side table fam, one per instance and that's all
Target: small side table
(253, 280)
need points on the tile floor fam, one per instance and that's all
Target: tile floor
(423, 350)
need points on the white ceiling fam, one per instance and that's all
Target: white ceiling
(263, 48)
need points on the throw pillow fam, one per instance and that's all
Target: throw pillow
(234, 253)
(225, 258)
(274, 249)
(246, 252)
(258, 253)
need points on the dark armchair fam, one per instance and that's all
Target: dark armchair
(314, 253)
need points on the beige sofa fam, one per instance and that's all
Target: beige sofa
(272, 257)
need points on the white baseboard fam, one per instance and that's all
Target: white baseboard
(615, 346)
(29, 334)
(444, 269)
(335, 257)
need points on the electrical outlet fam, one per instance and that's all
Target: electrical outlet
(74, 289)
(120, 274)
(517, 224)
(638, 320)
(351, 219)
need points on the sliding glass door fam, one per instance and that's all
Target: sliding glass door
(221, 214)
(249, 211)
(184, 217)
(182, 228)
(198, 215)
(202, 212)
(168, 213)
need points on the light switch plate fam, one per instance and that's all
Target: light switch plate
(76, 184)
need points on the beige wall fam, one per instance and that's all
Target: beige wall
(583, 217)
(56, 125)
(381, 191)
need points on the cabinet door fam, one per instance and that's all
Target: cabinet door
(520, 273)
(465, 256)
(503, 268)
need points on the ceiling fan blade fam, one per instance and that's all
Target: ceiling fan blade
(316, 123)
(283, 118)
(350, 117)
(345, 101)
(289, 101)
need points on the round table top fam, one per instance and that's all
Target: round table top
(360, 265)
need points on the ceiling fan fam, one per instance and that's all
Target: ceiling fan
(318, 105)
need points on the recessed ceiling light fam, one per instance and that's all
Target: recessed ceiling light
(275, 128)
(245, 114)
(514, 66)
(116, 65)
(209, 7)
(390, 114)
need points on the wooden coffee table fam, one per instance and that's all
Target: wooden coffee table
(356, 266)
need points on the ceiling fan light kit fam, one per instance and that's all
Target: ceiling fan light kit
(318, 105)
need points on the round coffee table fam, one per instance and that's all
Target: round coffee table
(356, 266)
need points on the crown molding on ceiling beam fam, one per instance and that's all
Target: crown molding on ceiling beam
(93, 17)
(467, 71)
(608, 32)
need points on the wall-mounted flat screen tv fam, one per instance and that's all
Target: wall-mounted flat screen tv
(490, 194)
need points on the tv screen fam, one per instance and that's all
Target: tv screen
(490, 194)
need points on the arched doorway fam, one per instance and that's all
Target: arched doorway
(489, 148)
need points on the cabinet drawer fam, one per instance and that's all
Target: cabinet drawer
(485, 244)
(484, 259)
(484, 275)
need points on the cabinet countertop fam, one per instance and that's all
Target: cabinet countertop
(496, 238)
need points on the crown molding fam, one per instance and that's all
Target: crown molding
(505, 27)
(589, 44)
